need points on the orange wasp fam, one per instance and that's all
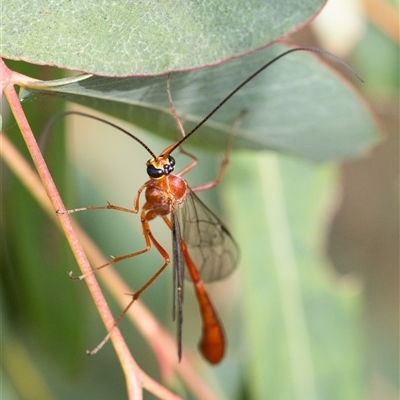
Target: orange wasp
(200, 240)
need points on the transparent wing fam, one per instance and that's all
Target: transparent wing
(178, 274)
(209, 243)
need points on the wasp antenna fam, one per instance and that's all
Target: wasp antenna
(57, 117)
(265, 66)
(333, 58)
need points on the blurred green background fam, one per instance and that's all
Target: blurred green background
(316, 292)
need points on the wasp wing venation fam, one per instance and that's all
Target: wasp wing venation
(178, 268)
(209, 243)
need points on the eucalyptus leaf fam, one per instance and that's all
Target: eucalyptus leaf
(123, 38)
(297, 106)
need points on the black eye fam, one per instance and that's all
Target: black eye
(168, 168)
(154, 172)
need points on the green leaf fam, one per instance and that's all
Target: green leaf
(302, 326)
(297, 106)
(123, 38)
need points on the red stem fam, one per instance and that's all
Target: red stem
(132, 372)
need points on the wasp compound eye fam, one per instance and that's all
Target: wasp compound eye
(154, 172)
(168, 168)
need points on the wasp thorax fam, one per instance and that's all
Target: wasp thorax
(160, 167)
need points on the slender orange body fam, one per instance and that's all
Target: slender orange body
(163, 196)
(212, 342)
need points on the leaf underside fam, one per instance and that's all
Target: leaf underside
(298, 106)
